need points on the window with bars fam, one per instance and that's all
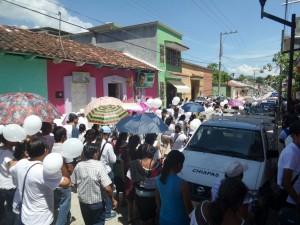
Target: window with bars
(173, 57)
(162, 54)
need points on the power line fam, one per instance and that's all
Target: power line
(249, 57)
(78, 26)
(220, 11)
(208, 15)
(150, 11)
(88, 16)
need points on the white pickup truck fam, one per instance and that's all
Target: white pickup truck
(224, 139)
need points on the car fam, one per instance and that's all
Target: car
(221, 99)
(201, 99)
(223, 139)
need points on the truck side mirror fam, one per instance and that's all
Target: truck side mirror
(272, 154)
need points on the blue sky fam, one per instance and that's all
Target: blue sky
(199, 21)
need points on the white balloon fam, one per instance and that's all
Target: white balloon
(32, 124)
(241, 108)
(1, 129)
(14, 133)
(222, 104)
(158, 113)
(149, 102)
(210, 109)
(225, 101)
(175, 100)
(156, 103)
(195, 123)
(52, 163)
(71, 148)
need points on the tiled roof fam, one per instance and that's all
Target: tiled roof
(234, 83)
(16, 40)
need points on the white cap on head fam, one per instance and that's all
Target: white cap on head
(235, 169)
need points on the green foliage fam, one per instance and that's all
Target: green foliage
(282, 60)
(225, 77)
(259, 80)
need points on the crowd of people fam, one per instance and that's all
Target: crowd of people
(115, 169)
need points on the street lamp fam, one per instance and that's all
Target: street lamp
(292, 25)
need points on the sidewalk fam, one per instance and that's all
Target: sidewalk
(121, 217)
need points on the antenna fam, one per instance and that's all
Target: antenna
(59, 28)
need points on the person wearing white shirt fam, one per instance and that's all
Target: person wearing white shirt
(62, 198)
(108, 158)
(38, 198)
(7, 188)
(178, 139)
(289, 167)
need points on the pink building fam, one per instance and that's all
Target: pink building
(68, 73)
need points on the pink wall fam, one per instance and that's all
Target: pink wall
(56, 73)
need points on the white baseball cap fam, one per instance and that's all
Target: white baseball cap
(235, 169)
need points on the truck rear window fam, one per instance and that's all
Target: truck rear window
(233, 142)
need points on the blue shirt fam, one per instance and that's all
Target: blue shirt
(172, 211)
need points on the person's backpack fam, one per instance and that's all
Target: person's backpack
(75, 132)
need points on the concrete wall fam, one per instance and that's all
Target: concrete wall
(18, 74)
(141, 36)
(223, 90)
(163, 35)
(57, 73)
(206, 82)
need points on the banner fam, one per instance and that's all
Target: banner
(145, 80)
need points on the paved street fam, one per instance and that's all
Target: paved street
(75, 210)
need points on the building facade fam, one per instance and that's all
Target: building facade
(199, 80)
(152, 43)
(70, 77)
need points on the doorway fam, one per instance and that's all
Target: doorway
(114, 90)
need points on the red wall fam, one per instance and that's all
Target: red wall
(56, 73)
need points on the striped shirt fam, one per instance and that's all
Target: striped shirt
(90, 178)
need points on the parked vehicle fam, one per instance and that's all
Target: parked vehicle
(223, 140)
(201, 100)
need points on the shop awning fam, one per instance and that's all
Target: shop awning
(180, 86)
(196, 77)
(177, 46)
(175, 75)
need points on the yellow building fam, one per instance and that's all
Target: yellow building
(199, 80)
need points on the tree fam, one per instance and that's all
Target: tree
(241, 78)
(225, 77)
(282, 59)
(259, 80)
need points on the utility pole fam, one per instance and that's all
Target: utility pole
(254, 91)
(220, 58)
(292, 25)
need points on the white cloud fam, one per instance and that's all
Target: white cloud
(248, 70)
(16, 13)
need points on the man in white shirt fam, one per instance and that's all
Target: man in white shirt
(38, 198)
(71, 126)
(178, 139)
(289, 167)
(108, 158)
(62, 195)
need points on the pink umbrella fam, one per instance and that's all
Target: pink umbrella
(235, 102)
(143, 105)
